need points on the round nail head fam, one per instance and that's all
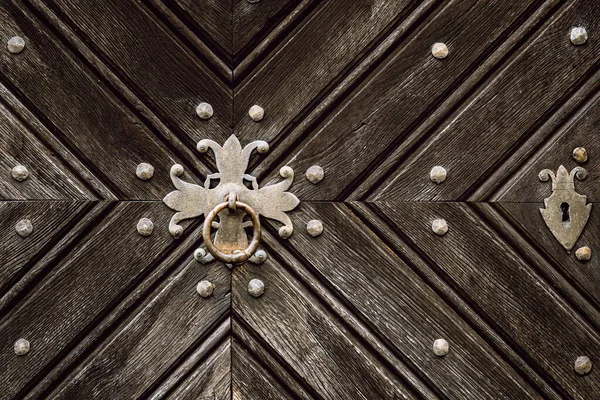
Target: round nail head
(144, 171)
(259, 257)
(579, 35)
(19, 173)
(437, 174)
(22, 347)
(583, 365)
(145, 227)
(441, 347)
(315, 174)
(257, 113)
(285, 232)
(439, 226)
(439, 50)
(24, 228)
(256, 287)
(16, 44)
(580, 155)
(204, 110)
(205, 288)
(583, 254)
(314, 227)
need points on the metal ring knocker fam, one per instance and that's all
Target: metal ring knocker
(239, 256)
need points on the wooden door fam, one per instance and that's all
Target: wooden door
(349, 85)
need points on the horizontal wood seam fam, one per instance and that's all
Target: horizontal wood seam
(445, 288)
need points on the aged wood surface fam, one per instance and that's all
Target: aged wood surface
(396, 304)
(348, 85)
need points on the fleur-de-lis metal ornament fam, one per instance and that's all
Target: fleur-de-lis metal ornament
(231, 200)
(566, 212)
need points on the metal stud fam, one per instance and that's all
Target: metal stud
(19, 173)
(583, 254)
(439, 226)
(314, 227)
(439, 50)
(16, 44)
(22, 347)
(205, 288)
(257, 113)
(580, 155)
(583, 365)
(144, 171)
(204, 110)
(259, 257)
(24, 228)
(441, 347)
(256, 287)
(145, 227)
(315, 174)
(579, 35)
(437, 174)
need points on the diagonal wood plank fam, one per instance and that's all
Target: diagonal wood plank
(156, 66)
(175, 321)
(382, 290)
(550, 69)
(327, 358)
(406, 89)
(504, 289)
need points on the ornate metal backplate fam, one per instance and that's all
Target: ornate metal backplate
(191, 200)
(566, 212)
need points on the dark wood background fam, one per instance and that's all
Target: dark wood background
(350, 85)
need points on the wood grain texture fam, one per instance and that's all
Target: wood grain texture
(175, 320)
(496, 281)
(398, 306)
(155, 65)
(253, 20)
(334, 35)
(530, 224)
(477, 138)
(86, 285)
(17, 253)
(211, 380)
(580, 131)
(250, 381)
(317, 347)
(48, 178)
(80, 111)
(406, 89)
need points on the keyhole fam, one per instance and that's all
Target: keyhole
(565, 212)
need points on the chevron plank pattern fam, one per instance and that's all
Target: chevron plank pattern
(349, 85)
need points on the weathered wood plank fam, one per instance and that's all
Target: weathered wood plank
(403, 92)
(502, 115)
(253, 20)
(49, 220)
(212, 18)
(175, 321)
(335, 35)
(149, 59)
(314, 344)
(584, 276)
(84, 289)
(580, 131)
(48, 178)
(80, 111)
(250, 381)
(491, 276)
(396, 304)
(211, 380)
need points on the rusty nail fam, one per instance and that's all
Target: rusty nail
(583, 253)
(579, 35)
(583, 365)
(439, 50)
(439, 226)
(580, 155)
